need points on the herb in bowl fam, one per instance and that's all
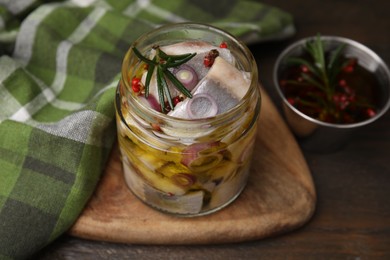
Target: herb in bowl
(329, 86)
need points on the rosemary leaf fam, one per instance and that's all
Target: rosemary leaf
(335, 56)
(180, 62)
(167, 93)
(308, 103)
(160, 92)
(334, 65)
(319, 52)
(313, 81)
(319, 59)
(149, 77)
(165, 56)
(298, 83)
(300, 61)
(177, 84)
(141, 57)
(309, 47)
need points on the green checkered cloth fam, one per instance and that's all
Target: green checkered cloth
(59, 66)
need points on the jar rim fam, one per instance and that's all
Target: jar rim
(202, 27)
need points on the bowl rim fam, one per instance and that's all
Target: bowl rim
(380, 62)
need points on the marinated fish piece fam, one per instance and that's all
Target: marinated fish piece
(224, 84)
(196, 63)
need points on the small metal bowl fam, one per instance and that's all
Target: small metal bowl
(319, 136)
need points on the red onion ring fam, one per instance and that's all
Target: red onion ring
(202, 105)
(187, 76)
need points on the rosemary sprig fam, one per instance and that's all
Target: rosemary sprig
(322, 73)
(327, 84)
(163, 62)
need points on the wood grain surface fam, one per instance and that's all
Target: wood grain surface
(279, 197)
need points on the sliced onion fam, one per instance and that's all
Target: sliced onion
(151, 101)
(202, 105)
(184, 179)
(205, 163)
(191, 152)
(187, 75)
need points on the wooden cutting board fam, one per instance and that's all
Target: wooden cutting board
(280, 196)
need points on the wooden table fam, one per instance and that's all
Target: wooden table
(352, 218)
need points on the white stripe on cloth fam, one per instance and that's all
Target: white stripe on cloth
(51, 97)
(79, 126)
(11, 108)
(250, 26)
(2, 24)
(146, 5)
(25, 40)
(8, 66)
(162, 13)
(25, 113)
(65, 46)
(134, 8)
(83, 3)
(17, 6)
(8, 103)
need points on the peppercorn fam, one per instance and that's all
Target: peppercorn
(223, 45)
(210, 58)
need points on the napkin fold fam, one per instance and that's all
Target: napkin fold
(59, 66)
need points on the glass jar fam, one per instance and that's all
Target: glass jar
(186, 167)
